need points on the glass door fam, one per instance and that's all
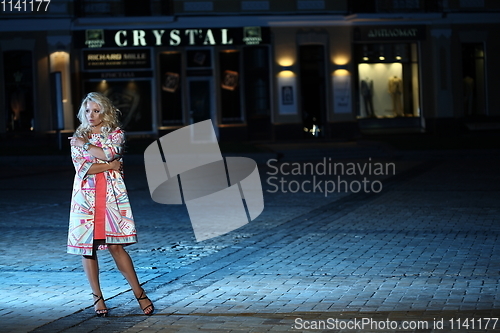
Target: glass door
(313, 89)
(201, 100)
(474, 89)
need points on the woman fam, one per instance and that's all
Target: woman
(100, 214)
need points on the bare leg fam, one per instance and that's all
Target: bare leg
(126, 267)
(91, 268)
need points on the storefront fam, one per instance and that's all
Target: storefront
(388, 77)
(314, 73)
(162, 79)
(258, 77)
(318, 82)
(126, 77)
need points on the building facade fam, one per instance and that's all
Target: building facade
(261, 70)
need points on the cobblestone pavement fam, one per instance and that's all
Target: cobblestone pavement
(421, 254)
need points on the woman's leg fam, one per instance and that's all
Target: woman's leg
(126, 267)
(91, 268)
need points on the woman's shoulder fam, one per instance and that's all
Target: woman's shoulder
(116, 134)
(117, 131)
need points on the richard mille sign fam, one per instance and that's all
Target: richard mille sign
(171, 37)
(118, 58)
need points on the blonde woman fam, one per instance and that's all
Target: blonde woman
(100, 213)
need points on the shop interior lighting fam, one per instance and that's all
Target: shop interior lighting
(365, 58)
(398, 57)
(381, 52)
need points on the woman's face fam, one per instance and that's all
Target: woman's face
(93, 114)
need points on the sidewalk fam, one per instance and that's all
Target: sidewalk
(422, 251)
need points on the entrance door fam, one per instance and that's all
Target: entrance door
(313, 89)
(201, 100)
(473, 68)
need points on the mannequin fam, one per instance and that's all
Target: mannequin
(367, 93)
(396, 90)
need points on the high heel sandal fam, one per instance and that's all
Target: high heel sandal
(150, 306)
(100, 312)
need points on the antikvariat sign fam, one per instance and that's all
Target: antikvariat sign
(399, 33)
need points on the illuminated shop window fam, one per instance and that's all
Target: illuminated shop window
(388, 80)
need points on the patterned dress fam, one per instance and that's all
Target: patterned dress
(118, 220)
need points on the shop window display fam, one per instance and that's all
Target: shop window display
(229, 66)
(132, 98)
(171, 88)
(388, 81)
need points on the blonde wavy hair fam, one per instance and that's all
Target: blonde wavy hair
(108, 111)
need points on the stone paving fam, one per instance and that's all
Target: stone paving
(422, 252)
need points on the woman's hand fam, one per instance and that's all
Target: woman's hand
(115, 165)
(76, 141)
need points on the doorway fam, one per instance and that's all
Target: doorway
(201, 103)
(473, 71)
(313, 90)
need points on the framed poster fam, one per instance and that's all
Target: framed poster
(342, 94)
(286, 90)
(287, 95)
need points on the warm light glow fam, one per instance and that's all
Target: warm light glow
(132, 85)
(59, 54)
(285, 62)
(381, 58)
(103, 85)
(340, 60)
(363, 67)
(365, 58)
(286, 74)
(341, 72)
(59, 58)
(398, 58)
